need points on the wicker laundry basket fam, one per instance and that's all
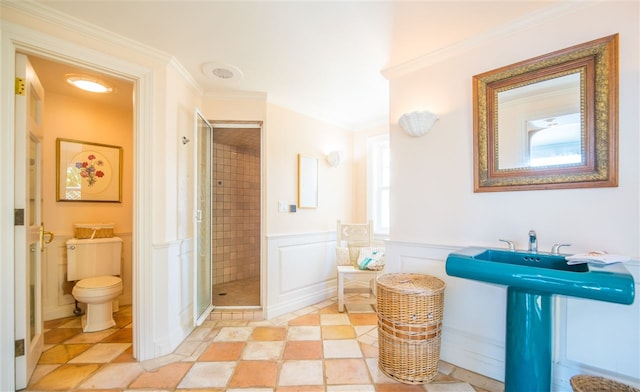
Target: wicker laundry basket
(93, 230)
(585, 383)
(409, 308)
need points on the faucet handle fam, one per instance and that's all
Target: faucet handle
(512, 245)
(555, 249)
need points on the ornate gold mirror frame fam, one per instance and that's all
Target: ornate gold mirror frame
(503, 142)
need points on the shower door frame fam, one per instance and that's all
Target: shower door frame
(262, 262)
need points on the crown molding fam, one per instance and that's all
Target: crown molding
(46, 14)
(459, 47)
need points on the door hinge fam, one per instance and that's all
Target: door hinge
(19, 348)
(20, 86)
(18, 217)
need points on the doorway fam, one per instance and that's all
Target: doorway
(236, 240)
(82, 117)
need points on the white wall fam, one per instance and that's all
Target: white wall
(434, 207)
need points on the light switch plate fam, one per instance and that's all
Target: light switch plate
(283, 206)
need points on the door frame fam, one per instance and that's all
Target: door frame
(19, 39)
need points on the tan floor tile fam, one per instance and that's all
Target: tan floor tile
(307, 319)
(346, 348)
(59, 335)
(126, 356)
(399, 388)
(351, 388)
(363, 318)
(223, 351)
(359, 308)
(233, 334)
(304, 333)
(113, 375)
(101, 353)
(368, 350)
(254, 374)
(331, 309)
(208, 375)
(449, 387)
(346, 371)
(263, 350)
(301, 388)
(91, 337)
(301, 373)
(269, 333)
(124, 335)
(62, 353)
(334, 319)
(41, 371)
(65, 377)
(164, 377)
(303, 349)
(49, 324)
(376, 374)
(338, 332)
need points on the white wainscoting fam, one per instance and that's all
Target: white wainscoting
(301, 271)
(172, 286)
(589, 336)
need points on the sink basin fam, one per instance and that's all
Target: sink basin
(531, 280)
(543, 272)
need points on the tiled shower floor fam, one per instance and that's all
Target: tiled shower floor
(313, 349)
(245, 292)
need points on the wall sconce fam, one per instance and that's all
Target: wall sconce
(417, 123)
(334, 158)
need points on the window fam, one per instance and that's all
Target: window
(378, 180)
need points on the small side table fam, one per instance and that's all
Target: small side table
(351, 272)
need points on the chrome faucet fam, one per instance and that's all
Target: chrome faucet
(533, 241)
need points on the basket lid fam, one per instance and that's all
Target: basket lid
(412, 283)
(94, 226)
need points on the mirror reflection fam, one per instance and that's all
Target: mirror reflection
(540, 124)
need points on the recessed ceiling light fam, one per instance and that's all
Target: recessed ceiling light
(88, 83)
(219, 71)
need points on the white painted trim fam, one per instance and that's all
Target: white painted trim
(18, 38)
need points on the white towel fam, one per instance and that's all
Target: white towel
(596, 257)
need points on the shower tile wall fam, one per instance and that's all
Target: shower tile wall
(236, 214)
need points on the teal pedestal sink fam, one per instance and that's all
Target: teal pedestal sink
(531, 280)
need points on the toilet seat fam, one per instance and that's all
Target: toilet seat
(90, 289)
(99, 282)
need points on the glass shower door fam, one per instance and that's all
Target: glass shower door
(203, 207)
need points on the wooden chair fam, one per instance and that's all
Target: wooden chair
(350, 238)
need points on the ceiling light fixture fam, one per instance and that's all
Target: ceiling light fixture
(88, 83)
(220, 71)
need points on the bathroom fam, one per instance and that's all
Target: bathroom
(82, 117)
(434, 208)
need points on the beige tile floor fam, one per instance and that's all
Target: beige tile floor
(313, 349)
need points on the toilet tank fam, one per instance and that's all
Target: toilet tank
(87, 258)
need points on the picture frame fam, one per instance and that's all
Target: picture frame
(307, 181)
(88, 172)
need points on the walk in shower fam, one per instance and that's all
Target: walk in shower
(236, 214)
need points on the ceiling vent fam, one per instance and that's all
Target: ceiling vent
(220, 71)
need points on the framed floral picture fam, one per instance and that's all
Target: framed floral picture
(89, 172)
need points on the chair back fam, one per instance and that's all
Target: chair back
(351, 238)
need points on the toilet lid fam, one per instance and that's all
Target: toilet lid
(100, 282)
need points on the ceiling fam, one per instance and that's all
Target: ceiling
(323, 59)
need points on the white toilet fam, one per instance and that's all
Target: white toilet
(94, 263)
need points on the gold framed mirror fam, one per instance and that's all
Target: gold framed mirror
(550, 122)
